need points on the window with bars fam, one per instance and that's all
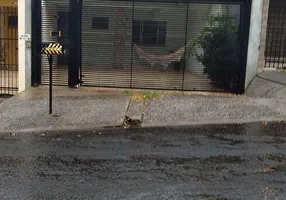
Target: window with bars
(149, 32)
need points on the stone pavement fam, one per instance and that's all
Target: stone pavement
(93, 108)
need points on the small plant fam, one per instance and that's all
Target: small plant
(149, 95)
(141, 95)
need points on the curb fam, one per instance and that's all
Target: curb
(215, 122)
(88, 130)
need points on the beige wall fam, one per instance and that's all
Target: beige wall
(24, 48)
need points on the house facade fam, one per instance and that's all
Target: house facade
(199, 45)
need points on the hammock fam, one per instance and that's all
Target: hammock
(164, 60)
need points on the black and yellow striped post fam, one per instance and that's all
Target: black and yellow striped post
(51, 49)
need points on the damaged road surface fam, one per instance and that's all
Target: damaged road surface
(224, 162)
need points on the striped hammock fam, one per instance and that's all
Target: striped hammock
(164, 60)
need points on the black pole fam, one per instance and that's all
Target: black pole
(185, 53)
(74, 43)
(132, 45)
(50, 58)
(36, 41)
(245, 12)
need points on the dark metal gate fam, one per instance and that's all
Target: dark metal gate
(55, 28)
(60, 23)
(8, 50)
(275, 51)
(176, 45)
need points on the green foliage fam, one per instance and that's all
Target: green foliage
(141, 95)
(149, 95)
(218, 41)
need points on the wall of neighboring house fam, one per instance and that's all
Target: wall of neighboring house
(24, 47)
(261, 61)
(254, 41)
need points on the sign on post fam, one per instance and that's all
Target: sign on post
(51, 49)
(26, 37)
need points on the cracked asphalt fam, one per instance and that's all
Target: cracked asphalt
(243, 161)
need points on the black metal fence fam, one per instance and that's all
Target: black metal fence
(162, 44)
(275, 52)
(8, 50)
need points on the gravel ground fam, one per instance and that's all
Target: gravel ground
(184, 109)
(29, 111)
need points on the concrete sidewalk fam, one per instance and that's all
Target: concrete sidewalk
(268, 85)
(93, 108)
(275, 76)
(186, 110)
(72, 109)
